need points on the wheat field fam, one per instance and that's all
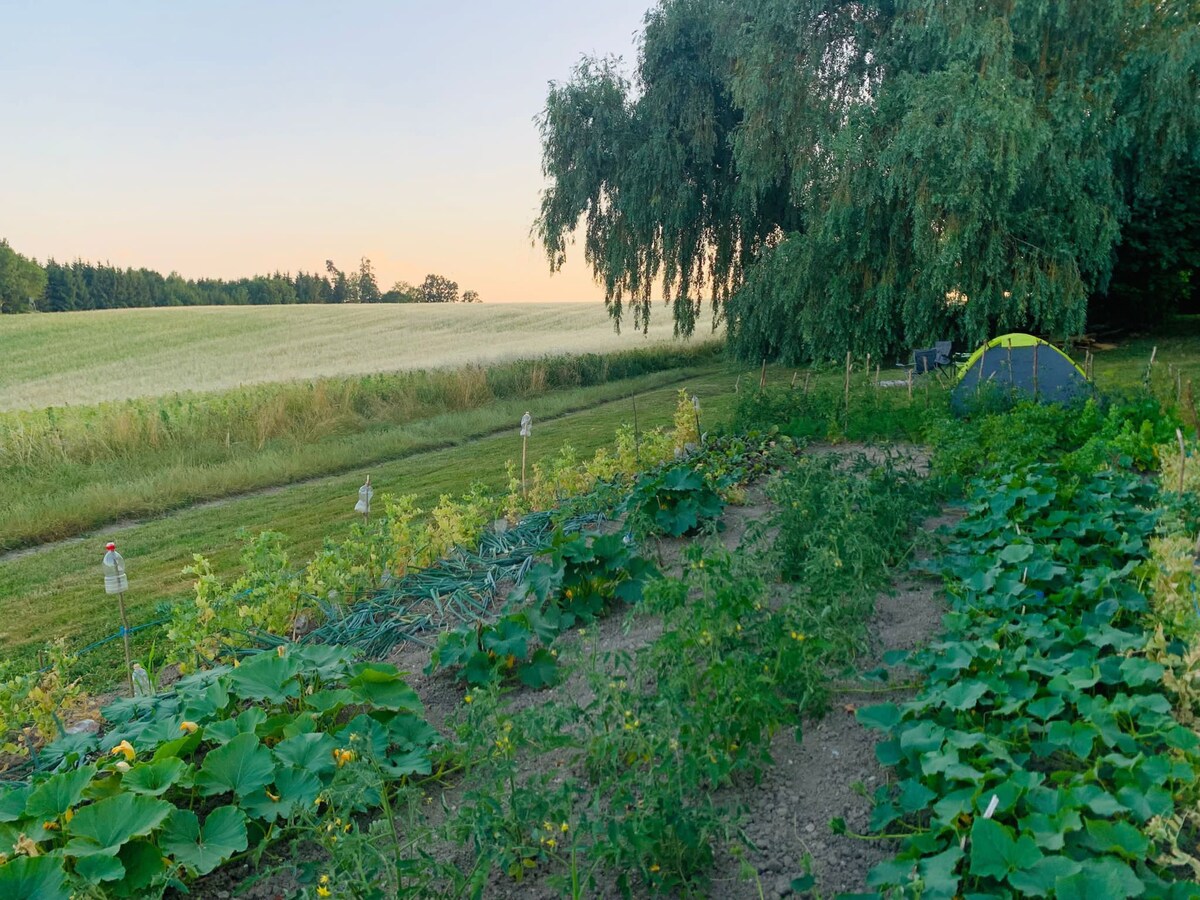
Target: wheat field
(92, 357)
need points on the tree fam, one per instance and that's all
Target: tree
(22, 281)
(340, 289)
(61, 293)
(471, 297)
(403, 292)
(368, 290)
(841, 175)
(437, 289)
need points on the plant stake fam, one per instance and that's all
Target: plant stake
(526, 431)
(696, 410)
(365, 493)
(117, 582)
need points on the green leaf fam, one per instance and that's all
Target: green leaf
(296, 789)
(411, 762)
(480, 669)
(154, 778)
(412, 731)
(266, 676)
(938, 873)
(540, 671)
(1046, 707)
(964, 694)
(99, 868)
(243, 766)
(179, 747)
(202, 850)
(313, 752)
(1120, 838)
(1107, 878)
(994, 852)
(914, 796)
(58, 793)
(882, 717)
(13, 801)
(40, 877)
(1039, 879)
(226, 730)
(102, 827)
(382, 686)
(143, 863)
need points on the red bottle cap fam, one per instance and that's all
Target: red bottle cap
(110, 546)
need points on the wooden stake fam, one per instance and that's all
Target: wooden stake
(125, 637)
(737, 384)
(795, 375)
(910, 371)
(807, 379)
(762, 379)
(524, 445)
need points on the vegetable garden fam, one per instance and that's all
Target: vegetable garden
(569, 688)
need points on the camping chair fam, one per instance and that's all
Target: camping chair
(930, 359)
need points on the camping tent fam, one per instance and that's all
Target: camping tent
(1020, 364)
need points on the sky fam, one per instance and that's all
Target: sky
(226, 139)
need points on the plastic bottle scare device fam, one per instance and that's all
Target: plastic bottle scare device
(115, 580)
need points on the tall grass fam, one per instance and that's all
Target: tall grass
(64, 470)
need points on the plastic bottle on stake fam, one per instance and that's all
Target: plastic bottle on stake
(115, 579)
(117, 582)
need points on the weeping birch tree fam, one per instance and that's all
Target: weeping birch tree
(873, 175)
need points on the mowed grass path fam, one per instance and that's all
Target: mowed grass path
(58, 592)
(91, 357)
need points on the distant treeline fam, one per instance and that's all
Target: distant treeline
(27, 286)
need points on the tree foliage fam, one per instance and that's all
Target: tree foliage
(438, 289)
(872, 175)
(25, 286)
(22, 281)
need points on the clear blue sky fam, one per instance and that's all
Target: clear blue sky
(233, 138)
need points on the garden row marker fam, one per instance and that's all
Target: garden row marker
(117, 582)
(526, 431)
(365, 493)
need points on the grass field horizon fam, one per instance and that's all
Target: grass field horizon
(112, 355)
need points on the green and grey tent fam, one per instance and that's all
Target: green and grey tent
(1020, 365)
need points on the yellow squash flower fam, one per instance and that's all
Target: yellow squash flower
(126, 748)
